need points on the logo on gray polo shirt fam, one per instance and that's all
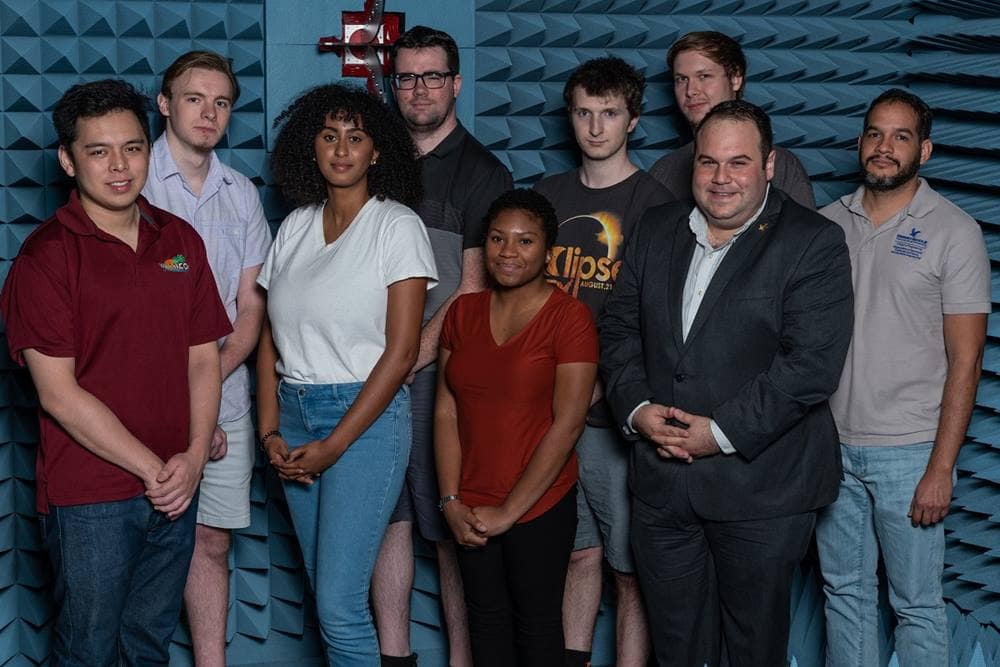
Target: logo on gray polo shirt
(909, 245)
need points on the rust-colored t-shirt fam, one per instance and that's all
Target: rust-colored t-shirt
(503, 393)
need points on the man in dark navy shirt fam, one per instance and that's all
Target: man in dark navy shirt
(460, 178)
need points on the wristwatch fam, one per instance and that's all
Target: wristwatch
(445, 500)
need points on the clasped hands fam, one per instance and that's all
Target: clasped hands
(654, 422)
(175, 484)
(303, 464)
(173, 487)
(473, 526)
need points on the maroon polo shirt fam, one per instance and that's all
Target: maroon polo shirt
(128, 318)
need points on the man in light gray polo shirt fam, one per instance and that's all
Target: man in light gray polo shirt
(922, 293)
(187, 178)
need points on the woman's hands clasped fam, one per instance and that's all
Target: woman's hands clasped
(472, 526)
(303, 464)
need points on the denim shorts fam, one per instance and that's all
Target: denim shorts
(603, 503)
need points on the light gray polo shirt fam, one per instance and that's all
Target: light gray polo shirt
(230, 219)
(926, 262)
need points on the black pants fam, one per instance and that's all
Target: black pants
(514, 590)
(717, 589)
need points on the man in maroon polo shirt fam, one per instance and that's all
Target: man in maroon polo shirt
(112, 306)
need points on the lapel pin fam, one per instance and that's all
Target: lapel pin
(762, 226)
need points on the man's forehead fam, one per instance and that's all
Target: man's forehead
(116, 120)
(581, 98)
(730, 135)
(894, 115)
(423, 53)
(705, 60)
(184, 82)
(716, 126)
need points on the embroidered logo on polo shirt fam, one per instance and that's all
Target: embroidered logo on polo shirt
(175, 264)
(909, 245)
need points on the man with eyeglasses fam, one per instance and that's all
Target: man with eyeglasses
(460, 180)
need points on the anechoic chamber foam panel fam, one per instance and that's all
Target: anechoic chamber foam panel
(814, 65)
(45, 47)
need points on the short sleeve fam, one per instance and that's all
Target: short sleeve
(405, 251)
(965, 273)
(577, 335)
(474, 225)
(37, 309)
(258, 236)
(208, 316)
(271, 257)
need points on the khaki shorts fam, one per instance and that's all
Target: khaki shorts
(225, 486)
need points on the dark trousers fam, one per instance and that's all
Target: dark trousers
(514, 590)
(717, 586)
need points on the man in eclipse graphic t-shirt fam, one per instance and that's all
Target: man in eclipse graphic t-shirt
(597, 205)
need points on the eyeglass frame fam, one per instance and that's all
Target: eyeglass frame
(420, 78)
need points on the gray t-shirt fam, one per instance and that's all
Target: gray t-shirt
(674, 171)
(926, 262)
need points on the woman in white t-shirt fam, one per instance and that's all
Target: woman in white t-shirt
(346, 280)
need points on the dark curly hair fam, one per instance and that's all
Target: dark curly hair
(604, 77)
(396, 175)
(97, 98)
(531, 202)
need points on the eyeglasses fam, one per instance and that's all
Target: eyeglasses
(432, 80)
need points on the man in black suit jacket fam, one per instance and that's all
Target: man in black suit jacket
(721, 342)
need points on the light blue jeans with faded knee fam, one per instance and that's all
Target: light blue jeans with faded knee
(341, 518)
(870, 515)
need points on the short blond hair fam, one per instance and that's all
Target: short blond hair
(200, 60)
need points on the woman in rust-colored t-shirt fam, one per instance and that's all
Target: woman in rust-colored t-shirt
(517, 369)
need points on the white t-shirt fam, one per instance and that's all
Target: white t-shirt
(327, 303)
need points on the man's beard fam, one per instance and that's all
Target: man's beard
(905, 174)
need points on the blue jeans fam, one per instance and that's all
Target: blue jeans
(870, 513)
(119, 570)
(341, 518)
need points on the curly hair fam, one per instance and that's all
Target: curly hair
(97, 98)
(396, 175)
(607, 76)
(531, 202)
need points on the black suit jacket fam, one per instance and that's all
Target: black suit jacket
(763, 354)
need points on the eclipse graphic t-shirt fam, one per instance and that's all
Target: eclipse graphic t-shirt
(593, 227)
(594, 224)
